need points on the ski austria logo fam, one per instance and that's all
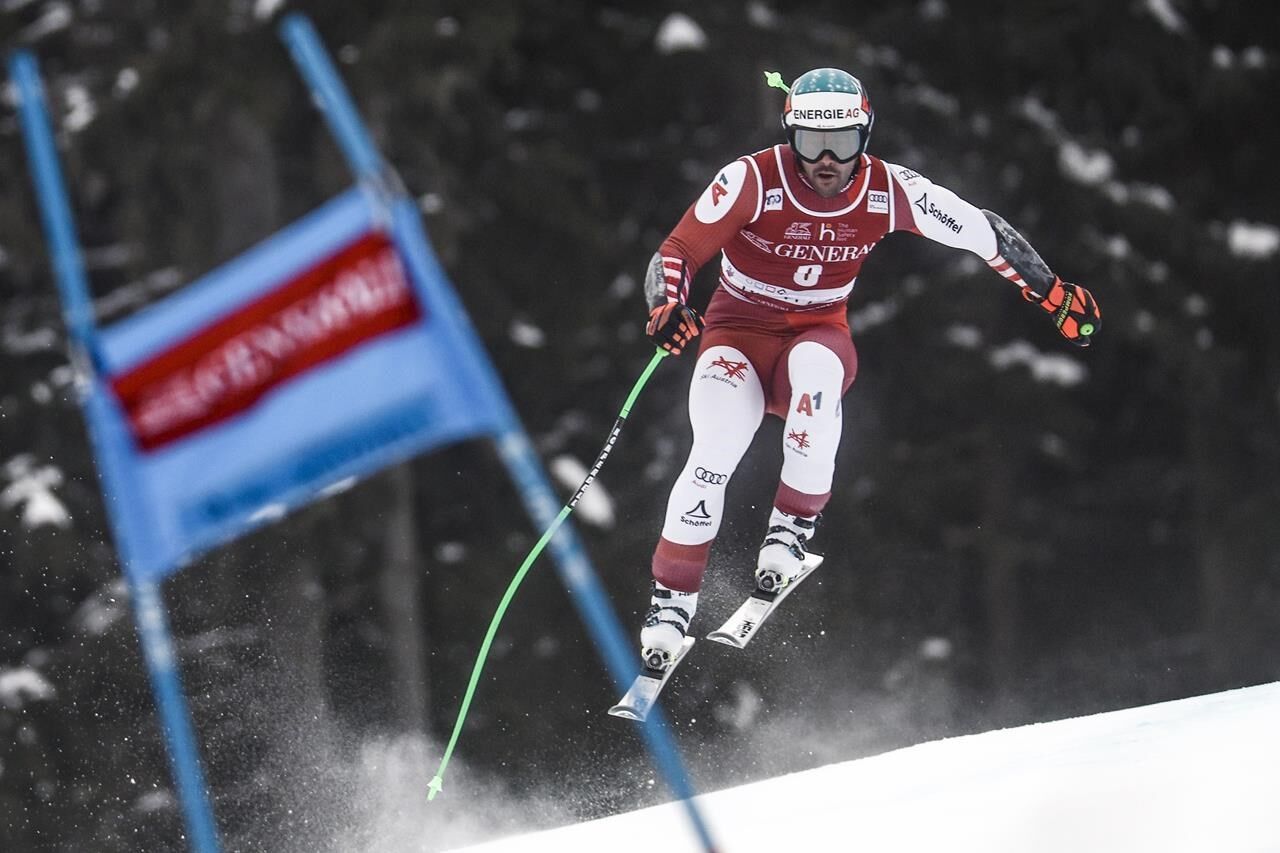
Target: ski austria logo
(716, 200)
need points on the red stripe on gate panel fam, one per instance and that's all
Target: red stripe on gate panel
(355, 294)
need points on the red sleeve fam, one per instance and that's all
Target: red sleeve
(726, 206)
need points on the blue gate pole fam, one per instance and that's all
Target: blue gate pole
(511, 441)
(77, 307)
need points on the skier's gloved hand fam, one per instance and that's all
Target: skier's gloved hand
(672, 325)
(1074, 310)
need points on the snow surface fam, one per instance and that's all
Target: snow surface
(1189, 775)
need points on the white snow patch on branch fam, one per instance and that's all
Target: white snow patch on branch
(107, 606)
(935, 100)
(1253, 240)
(57, 16)
(264, 9)
(18, 342)
(761, 15)
(526, 334)
(19, 686)
(964, 336)
(1091, 167)
(1038, 114)
(679, 32)
(32, 488)
(1051, 368)
(81, 109)
(595, 506)
(1166, 15)
(126, 81)
(871, 315)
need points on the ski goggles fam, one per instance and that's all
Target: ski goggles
(843, 145)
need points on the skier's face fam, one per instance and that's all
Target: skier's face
(827, 176)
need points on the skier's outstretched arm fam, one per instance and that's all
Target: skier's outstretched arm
(729, 202)
(933, 211)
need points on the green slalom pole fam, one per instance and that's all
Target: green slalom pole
(437, 782)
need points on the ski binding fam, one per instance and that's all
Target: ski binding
(644, 690)
(738, 630)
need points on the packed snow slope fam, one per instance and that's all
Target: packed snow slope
(1200, 774)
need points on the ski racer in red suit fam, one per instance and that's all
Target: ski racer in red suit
(795, 223)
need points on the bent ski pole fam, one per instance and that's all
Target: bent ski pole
(437, 782)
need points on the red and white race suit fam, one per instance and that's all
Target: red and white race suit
(777, 338)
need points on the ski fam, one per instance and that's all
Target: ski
(738, 630)
(645, 689)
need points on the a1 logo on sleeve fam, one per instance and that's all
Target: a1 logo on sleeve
(716, 200)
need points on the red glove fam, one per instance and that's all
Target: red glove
(1074, 310)
(673, 325)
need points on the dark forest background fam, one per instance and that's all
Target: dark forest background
(1005, 544)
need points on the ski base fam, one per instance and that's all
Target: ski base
(644, 690)
(739, 628)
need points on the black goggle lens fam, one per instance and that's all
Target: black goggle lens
(810, 145)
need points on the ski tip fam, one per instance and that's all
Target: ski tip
(627, 713)
(725, 639)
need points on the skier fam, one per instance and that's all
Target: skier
(795, 223)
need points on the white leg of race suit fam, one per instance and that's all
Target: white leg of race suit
(726, 405)
(812, 432)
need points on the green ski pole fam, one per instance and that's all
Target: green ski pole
(437, 782)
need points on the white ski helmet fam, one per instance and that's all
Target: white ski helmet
(827, 111)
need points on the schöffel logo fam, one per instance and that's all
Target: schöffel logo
(697, 517)
(711, 477)
(354, 295)
(937, 213)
